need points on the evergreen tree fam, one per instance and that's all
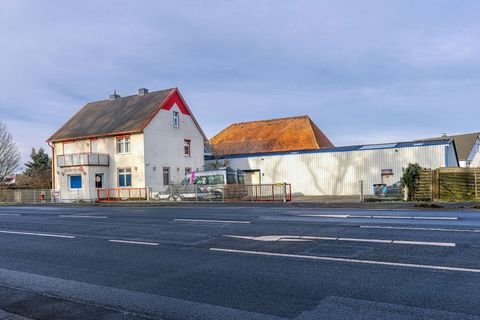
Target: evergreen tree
(39, 170)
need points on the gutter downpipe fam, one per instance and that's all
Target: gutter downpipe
(53, 164)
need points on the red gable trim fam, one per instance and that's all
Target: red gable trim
(175, 99)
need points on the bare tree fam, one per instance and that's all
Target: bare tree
(220, 161)
(9, 155)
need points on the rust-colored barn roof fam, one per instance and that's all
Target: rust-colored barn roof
(286, 134)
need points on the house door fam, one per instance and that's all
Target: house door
(252, 176)
(99, 180)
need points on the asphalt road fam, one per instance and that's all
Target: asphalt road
(238, 263)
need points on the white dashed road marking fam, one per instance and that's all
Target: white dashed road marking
(135, 242)
(348, 216)
(38, 234)
(311, 238)
(422, 229)
(212, 221)
(358, 261)
(10, 214)
(78, 216)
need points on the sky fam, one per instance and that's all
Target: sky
(364, 71)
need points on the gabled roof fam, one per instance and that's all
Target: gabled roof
(463, 142)
(123, 115)
(276, 135)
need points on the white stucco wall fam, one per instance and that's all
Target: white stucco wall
(134, 160)
(339, 173)
(164, 147)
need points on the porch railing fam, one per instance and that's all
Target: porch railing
(83, 159)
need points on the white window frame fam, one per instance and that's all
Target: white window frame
(69, 183)
(124, 172)
(123, 145)
(176, 119)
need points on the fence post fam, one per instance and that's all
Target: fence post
(476, 185)
(34, 196)
(196, 193)
(362, 196)
(223, 193)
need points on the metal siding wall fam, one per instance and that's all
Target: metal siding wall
(338, 173)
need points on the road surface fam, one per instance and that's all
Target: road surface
(238, 263)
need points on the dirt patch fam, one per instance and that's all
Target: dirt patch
(428, 205)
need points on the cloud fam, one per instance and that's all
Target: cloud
(364, 71)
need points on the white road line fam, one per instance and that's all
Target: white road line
(343, 216)
(339, 216)
(10, 214)
(39, 234)
(319, 238)
(425, 243)
(239, 237)
(79, 216)
(311, 238)
(135, 242)
(212, 221)
(358, 261)
(365, 240)
(422, 229)
(436, 218)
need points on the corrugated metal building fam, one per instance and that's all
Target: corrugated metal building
(337, 171)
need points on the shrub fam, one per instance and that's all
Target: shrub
(410, 179)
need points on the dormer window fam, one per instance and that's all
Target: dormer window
(123, 145)
(176, 119)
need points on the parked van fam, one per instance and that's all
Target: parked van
(218, 183)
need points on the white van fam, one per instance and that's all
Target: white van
(214, 183)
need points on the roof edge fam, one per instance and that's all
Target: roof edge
(113, 134)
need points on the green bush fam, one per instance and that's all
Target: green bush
(410, 179)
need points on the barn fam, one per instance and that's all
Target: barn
(300, 154)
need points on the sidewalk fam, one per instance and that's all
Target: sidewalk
(9, 316)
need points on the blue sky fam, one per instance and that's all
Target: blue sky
(364, 71)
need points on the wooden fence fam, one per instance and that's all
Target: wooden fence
(449, 184)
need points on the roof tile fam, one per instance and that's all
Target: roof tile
(285, 134)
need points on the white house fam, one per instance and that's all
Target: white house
(303, 156)
(468, 149)
(144, 140)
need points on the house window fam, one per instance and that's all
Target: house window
(123, 145)
(176, 119)
(186, 148)
(166, 176)
(125, 177)
(75, 181)
(188, 170)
